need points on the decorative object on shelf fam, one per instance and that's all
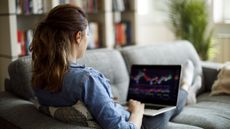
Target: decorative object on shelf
(189, 21)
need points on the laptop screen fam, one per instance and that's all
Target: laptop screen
(156, 84)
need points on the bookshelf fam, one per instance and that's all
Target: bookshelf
(13, 20)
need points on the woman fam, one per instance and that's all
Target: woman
(59, 40)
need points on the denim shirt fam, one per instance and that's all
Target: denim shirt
(93, 89)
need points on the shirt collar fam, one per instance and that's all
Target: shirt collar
(76, 65)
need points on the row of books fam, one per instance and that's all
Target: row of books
(28, 7)
(25, 39)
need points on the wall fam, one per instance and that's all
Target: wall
(153, 27)
(152, 23)
(222, 43)
(7, 31)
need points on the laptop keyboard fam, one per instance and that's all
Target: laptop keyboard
(155, 107)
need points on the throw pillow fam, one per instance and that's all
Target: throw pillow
(19, 82)
(77, 114)
(222, 84)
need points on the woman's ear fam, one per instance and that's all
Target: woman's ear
(78, 37)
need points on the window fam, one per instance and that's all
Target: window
(221, 11)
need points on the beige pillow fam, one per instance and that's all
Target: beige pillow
(222, 84)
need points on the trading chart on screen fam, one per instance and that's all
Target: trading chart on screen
(154, 84)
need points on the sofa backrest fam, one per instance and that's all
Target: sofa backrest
(111, 64)
(165, 53)
(107, 61)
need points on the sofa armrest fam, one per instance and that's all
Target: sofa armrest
(210, 72)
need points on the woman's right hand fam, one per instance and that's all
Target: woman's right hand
(135, 106)
(137, 110)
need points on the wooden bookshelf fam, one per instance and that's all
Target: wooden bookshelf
(12, 21)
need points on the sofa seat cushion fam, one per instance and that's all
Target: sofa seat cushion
(172, 125)
(218, 98)
(210, 112)
(23, 114)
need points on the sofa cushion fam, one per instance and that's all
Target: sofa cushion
(172, 125)
(23, 114)
(166, 53)
(222, 84)
(107, 61)
(111, 64)
(20, 75)
(210, 112)
(210, 73)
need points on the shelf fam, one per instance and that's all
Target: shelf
(11, 23)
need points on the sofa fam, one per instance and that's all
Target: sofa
(209, 112)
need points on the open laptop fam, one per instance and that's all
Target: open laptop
(156, 86)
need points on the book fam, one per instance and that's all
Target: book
(19, 6)
(24, 41)
(21, 41)
(28, 7)
(118, 5)
(28, 40)
(120, 36)
(123, 33)
(93, 41)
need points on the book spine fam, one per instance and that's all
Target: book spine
(18, 6)
(123, 33)
(26, 9)
(47, 5)
(29, 38)
(94, 35)
(24, 41)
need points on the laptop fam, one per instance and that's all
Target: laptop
(156, 86)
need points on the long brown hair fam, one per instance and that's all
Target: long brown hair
(51, 45)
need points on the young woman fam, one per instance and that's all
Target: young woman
(59, 40)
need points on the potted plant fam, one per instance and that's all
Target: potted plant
(189, 21)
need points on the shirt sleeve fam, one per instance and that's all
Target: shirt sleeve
(97, 98)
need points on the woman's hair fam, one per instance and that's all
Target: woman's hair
(51, 45)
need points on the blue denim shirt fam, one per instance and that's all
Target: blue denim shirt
(92, 88)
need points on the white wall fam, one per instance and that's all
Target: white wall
(152, 23)
(153, 27)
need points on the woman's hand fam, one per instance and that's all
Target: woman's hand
(135, 107)
(137, 110)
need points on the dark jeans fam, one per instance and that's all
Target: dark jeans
(160, 121)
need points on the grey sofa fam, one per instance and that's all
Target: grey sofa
(210, 112)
